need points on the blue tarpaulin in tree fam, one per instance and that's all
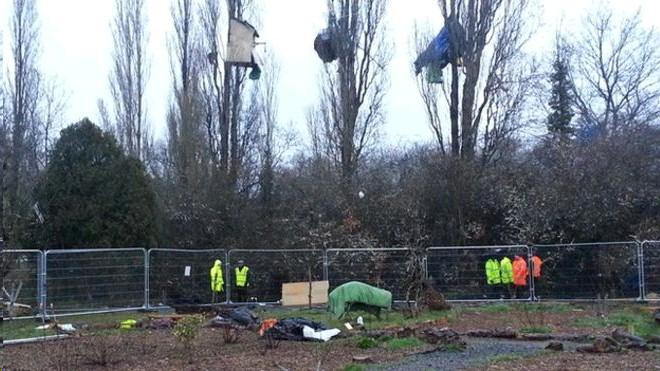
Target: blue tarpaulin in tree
(437, 52)
(440, 52)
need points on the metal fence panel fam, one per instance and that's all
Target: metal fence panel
(182, 276)
(269, 269)
(588, 271)
(458, 272)
(384, 268)
(95, 279)
(20, 272)
(651, 271)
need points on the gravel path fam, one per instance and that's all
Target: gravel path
(478, 351)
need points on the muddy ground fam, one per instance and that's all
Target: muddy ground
(159, 349)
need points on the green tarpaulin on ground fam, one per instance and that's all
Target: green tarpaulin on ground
(357, 292)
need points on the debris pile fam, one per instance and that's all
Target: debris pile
(619, 341)
(506, 333)
(444, 337)
(299, 329)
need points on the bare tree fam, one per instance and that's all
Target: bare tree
(431, 93)
(273, 140)
(4, 138)
(351, 105)
(224, 91)
(617, 72)
(480, 93)
(52, 104)
(23, 89)
(184, 117)
(129, 76)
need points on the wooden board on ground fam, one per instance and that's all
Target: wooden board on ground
(297, 293)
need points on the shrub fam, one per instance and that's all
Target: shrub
(186, 331)
(366, 343)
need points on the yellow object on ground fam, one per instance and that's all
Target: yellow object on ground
(127, 324)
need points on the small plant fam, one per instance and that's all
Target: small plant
(366, 343)
(530, 317)
(101, 350)
(404, 343)
(353, 367)
(230, 334)
(63, 356)
(452, 348)
(186, 331)
(536, 330)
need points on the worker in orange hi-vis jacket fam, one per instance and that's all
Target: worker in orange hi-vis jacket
(536, 266)
(520, 272)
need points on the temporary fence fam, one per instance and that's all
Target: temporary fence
(20, 277)
(459, 272)
(178, 276)
(270, 268)
(650, 274)
(589, 271)
(94, 279)
(103, 280)
(384, 268)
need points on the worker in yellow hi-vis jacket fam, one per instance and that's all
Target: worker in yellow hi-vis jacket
(217, 280)
(241, 281)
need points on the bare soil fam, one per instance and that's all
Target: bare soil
(159, 349)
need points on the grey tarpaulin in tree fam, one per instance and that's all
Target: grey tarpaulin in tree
(445, 48)
(324, 46)
(240, 46)
(325, 42)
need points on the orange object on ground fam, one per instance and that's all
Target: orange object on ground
(519, 271)
(536, 266)
(266, 324)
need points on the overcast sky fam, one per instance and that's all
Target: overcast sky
(76, 43)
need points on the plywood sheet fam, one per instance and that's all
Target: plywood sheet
(297, 293)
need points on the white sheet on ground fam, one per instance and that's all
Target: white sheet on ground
(324, 335)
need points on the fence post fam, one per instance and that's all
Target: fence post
(40, 265)
(640, 267)
(44, 285)
(147, 257)
(426, 264)
(530, 273)
(228, 276)
(325, 265)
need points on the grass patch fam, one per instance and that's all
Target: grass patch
(22, 329)
(489, 308)
(536, 330)
(528, 307)
(404, 343)
(366, 343)
(353, 367)
(26, 328)
(640, 324)
(388, 318)
(452, 348)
